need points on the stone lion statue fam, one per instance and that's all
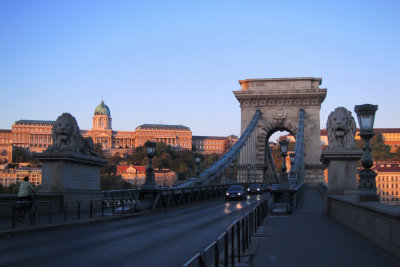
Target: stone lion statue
(341, 130)
(67, 137)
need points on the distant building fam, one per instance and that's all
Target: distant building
(136, 175)
(176, 136)
(36, 136)
(102, 133)
(13, 176)
(6, 142)
(213, 144)
(388, 182)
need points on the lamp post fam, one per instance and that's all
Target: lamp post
(366, 115)
(292, 175)
(292, 157)
(284, 147)
(150, 178)
(198, 160)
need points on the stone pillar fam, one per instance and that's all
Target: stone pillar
(76, 176)
(342, 171)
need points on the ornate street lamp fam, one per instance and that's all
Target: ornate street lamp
(198, 160)
(366, 116)
(284, 147)
(292, 157)
(150, 178)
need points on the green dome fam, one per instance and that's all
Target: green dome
(102, 109)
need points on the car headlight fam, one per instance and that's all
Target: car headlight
(227, 194)
(258, 189)
(239, 194)
(248, 189)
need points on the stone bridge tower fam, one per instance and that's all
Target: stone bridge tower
(279, 100)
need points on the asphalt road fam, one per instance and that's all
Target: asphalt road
(168, 238)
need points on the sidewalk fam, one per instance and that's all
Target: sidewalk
(309, 238)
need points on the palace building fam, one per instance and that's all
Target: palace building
(177, 136)
(213, 144)
(102, 132)
(35, 135)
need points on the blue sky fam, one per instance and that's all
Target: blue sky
(177, 62)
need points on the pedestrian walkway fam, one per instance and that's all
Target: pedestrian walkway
(308, 238)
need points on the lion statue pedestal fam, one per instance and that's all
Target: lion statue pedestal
(70, 166)
(341, 157)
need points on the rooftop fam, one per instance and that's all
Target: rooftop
(34, 122)
(152, 126)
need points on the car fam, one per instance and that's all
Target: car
(235, 192)
(265, 187)
(254, 189)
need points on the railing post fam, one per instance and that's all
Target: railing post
(202, 262)
(13, 207)
(233, 245)
(102, 207)
(216, 254)
(31, 213)
(238, 239)
(243, 237)
(226, 249)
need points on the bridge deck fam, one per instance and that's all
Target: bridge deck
(309, 238)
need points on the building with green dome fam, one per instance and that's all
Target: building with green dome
(103, 133)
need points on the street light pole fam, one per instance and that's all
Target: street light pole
(150, 178)
(292, 174)
(284, 147)
(366, 116)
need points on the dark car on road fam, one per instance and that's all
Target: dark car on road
(254, 189)
(235, 192)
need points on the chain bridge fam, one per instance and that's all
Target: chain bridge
(192, 225)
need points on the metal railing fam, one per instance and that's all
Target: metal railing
(232, 244)
(219, 167)
(32, 219)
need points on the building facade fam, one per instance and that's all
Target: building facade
(213, 144)
(13, 176)
(102, 132)
(177, 136)
(388, 182)
(36, 136)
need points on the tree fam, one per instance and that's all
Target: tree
(396, 155)
(379, 151)
(113, 182)
(20, 154)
